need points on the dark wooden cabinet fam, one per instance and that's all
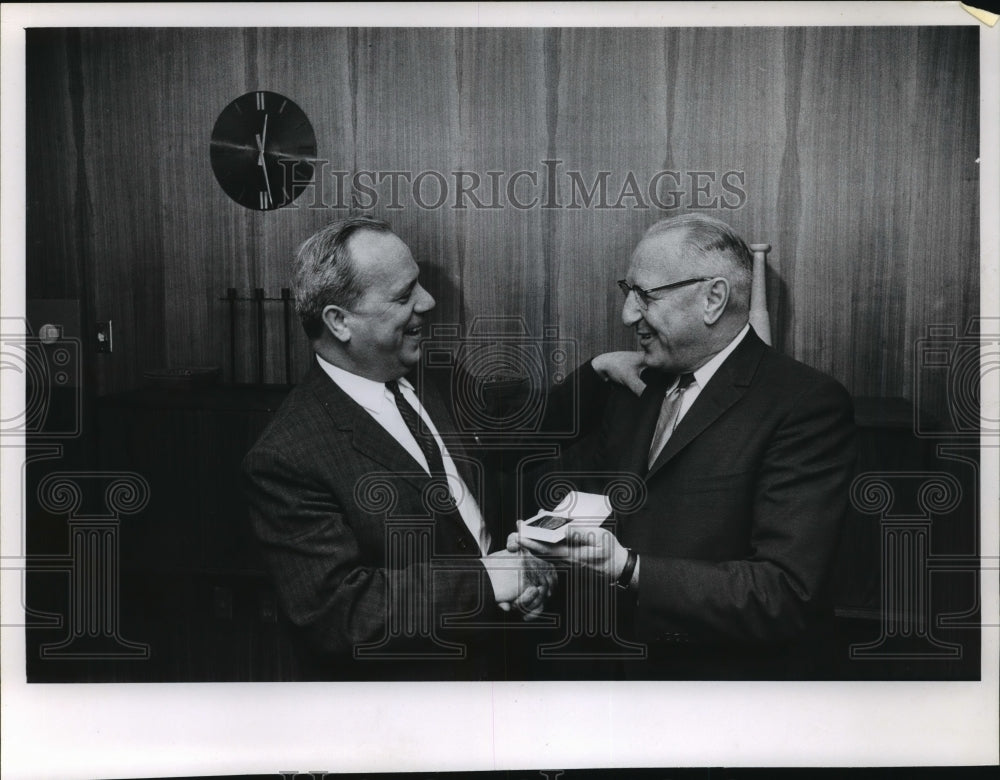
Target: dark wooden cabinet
(193, 585)
(188, 446)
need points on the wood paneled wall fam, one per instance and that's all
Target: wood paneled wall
(856, 151)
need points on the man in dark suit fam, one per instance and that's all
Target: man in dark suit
(745, 455)
(368, 520)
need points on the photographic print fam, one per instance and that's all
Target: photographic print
(312, 313)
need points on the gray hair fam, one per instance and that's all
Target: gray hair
(325, 274)
(713, 240)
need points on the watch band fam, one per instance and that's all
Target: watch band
(625, 578)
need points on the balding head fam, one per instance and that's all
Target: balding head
(711, 248)
(698, 274)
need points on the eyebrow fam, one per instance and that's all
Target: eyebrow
(407, 289)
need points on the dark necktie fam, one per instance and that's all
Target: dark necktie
(432, 453)
(668, 416)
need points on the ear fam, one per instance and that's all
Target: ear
(335, 319)
(716, 300)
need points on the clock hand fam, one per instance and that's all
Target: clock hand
(267, 182)
(261, 142)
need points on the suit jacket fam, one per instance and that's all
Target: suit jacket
(740, 521)
(367, 565)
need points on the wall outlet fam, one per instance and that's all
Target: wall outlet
(104, 336)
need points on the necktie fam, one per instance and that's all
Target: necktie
(429, 447)
(668, 416)
(432, 453)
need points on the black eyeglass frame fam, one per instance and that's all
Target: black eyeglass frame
(643, 296)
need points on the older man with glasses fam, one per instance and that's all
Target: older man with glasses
(746, 456)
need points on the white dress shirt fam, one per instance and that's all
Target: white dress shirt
(376, 399)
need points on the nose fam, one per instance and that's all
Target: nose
(425, 301)
(631, 313)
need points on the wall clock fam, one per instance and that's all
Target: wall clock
(263, 149)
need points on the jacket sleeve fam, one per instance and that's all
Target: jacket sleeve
(336, 595)
(577, 404)
(799, 501)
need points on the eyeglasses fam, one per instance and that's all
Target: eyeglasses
(644, 297)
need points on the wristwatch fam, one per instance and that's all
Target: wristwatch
(625, 578)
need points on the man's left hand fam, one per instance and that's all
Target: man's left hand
(624, 368)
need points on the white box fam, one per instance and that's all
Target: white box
(577, 509)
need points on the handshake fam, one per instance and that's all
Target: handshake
(523, 576)
(520, 580)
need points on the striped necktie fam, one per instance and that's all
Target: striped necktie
(668, 416)
(429, 447)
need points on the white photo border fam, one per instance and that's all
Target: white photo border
(106, 730)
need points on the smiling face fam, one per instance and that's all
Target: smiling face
(672, 330)
(383, 327)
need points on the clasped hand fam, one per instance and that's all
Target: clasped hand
(595, 549)
(520, 580)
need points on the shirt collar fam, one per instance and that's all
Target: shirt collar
(707, 371)
(367, 392)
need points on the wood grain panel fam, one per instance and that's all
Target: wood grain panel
(789, 203)
(942, 282)
(404, 92)
(873, 153)
(213, 234)
(609, 124)
(52, 262)
(844, 155)
(727, 125)
(856, 149)
(500, 128)
(124, 165)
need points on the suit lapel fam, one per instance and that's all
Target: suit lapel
(374, 442)
(636, 453)
(367, 436)
(724, 389)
